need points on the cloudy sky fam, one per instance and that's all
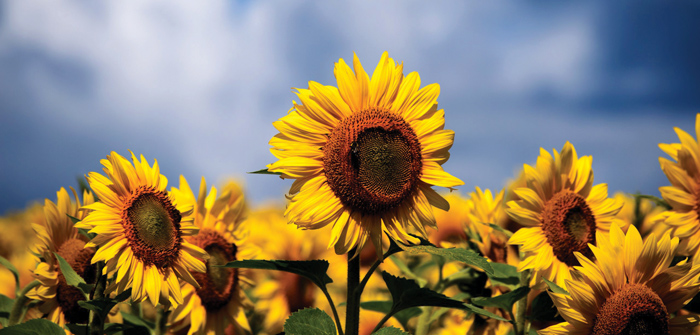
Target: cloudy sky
(197, 84)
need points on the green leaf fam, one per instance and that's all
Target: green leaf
(385, 307)
(265, 171)
(485, 313)
(102, 306)
(72, 278)
(543, 309)
(406, 294)
(138, 321)
(112, 328)
(555, 288)
(314, 270)
(73, 218)
(407, 271)
(390, 331)
(309, 321)
(34, 327)
(503, 301)
(5, 309)
(500, 229)
(505, 275)
(4, 262)
(456, 254)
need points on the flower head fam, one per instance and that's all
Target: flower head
(365, 155)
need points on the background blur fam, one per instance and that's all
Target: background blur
(197, 84)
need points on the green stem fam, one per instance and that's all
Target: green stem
(522, 305)
(423, 323)
(96, 322)
(20, 301)
(335, 312)
(352, 313)
(383, 321)
(162, 320)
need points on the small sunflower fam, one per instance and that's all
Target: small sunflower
(684, 193)
(628, 289)
(365, 155)
(58, 234)
(642, 213)
(140, 229)
(484, 208)
(220, 301)
(561, 211)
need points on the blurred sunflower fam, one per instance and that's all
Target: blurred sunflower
(220, 301)
(684, 193)
(629, 289)
(277, 294)
(562, 211)
(140, 229)
(484, 208)
(365, 155)
(58, 234)
(642, 213)
(456, 322)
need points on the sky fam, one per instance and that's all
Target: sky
(197, 84)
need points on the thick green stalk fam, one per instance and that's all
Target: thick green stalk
(162, 320)
(20, 301)
(522, 304)
(352, 313)
(96, 322)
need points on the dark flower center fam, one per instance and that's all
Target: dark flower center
(218, 284)
(152, 227)
(633, 310)
(372, 161)
(78, 258)
(569, 225)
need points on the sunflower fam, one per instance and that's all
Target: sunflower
(140, 229)
(365, 155)
(684, 193)
(278, 294)
(561, 211)
(57, 234)
(220, 300)
(642, 213)
(628, 289)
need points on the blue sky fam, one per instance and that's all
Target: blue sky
(197, 84)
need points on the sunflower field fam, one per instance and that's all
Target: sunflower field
(375, 237)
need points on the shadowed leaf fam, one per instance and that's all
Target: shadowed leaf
(309, 321)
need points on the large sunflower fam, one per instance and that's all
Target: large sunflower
(365, 155)
(220, 300)
(140, 229)
(628, 289)
(59, 300)
(561, 211)
(684, 193)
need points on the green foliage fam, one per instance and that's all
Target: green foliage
(314, 270)
(139, 325)
(309, 321)
(455, 254)
(500, 229)
(505, 275)
(72, 278)
(102, 306)
(385, 307)
(390, 331)
(4, 262)
(406, 294)
(265, 171)
(5, 309)
(503, 301)
(484, 312)
(543, 309)
(555, 288)
(34, 327)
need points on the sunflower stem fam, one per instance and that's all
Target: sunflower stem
(423, 325)
(20, 301)
(96, 322)
(352, 313)
(162, 320)
(522, 305)
(335, 312)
